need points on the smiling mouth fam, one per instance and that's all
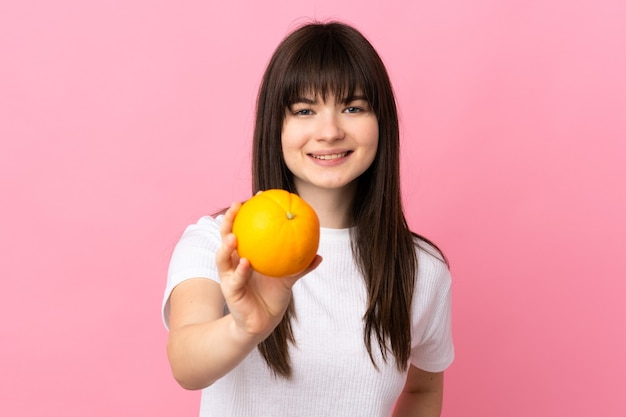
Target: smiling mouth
(331, 156)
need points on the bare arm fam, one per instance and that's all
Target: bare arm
(204, 344)
(422, 395)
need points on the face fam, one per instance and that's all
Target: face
(328, 144)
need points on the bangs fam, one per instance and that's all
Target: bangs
(323, 68)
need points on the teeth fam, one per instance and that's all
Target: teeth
(331, 156)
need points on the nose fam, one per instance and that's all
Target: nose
(329, 127)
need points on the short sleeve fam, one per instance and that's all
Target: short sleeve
(193, 257)
(432, 347)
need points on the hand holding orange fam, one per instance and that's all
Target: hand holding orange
(278, 232)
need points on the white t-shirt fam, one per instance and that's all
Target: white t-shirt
(332, 372)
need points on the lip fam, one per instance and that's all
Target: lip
(330, 158)
(330, 155)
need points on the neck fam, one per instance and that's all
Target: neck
(332, 206)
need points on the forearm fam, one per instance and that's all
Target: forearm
(200, 354)
(419, 404)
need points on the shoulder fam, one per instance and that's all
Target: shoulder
(429, 254)
(433, 272)
(193, 256)
(204, 226)
(205, 232)
(195, 249)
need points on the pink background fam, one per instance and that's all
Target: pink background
(123, 121)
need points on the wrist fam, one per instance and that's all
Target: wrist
(244, 338)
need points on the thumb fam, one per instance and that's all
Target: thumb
(291, 280)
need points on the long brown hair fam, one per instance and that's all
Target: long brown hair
(334, 58)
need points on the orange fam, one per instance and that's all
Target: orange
(278, 232)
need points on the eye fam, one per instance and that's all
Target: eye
(356, 105)
(300, 109)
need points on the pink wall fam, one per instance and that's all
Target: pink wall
(123, 121)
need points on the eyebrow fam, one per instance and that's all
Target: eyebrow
(346, 100)
(304, 100)
(354, 98)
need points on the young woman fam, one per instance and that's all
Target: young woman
(365, 330)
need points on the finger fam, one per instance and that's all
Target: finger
(229, 217)
(235, 282)
(243, 272)
(225, 254)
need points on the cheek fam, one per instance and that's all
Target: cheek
(285, 143)
(372, 143)
(287, 136)
(289, 147)
(293, 138)
(375, 134)
(371, 136)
